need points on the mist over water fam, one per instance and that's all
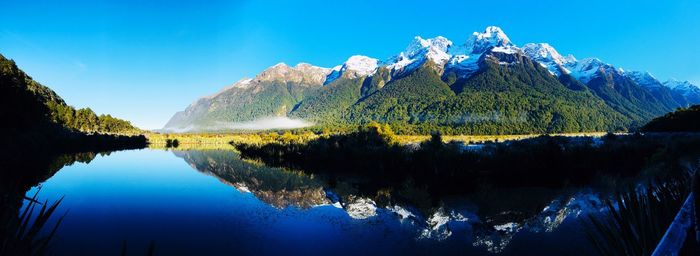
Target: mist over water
(265, 123)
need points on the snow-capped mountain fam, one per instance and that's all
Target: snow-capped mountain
(465, 57)
(684, 86)
(690, 91)
(356, 66)
(548, 57)
(479, 43)
(584, 70)
(644, 79)
(280, 90)
(418, 52)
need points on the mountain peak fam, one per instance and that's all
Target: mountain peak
(586, 69)
(361, 65)
(280, 65)
(419, 51)
(491, 37)
(641, 75)
(301, 73)
(674, 83)
(644, 78)
(355, 66)
(548, 57)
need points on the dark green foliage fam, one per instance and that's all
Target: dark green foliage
(447, 168)
(402, 101)
(172, 143)
(626, 97)
(274, 99)
(260, 100)
(681, 120)
(28, 105)
(85, 120)
(328, 102)
(521, 98)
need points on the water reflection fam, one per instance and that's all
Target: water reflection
(489, 218)
(248, 208)
(275, 186)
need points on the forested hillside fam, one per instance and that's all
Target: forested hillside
(486, 85)
(30, 106)
(681, 120)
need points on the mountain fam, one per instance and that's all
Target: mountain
(28, 107)
(485, 84)
(684, 91)
(681, 120)
(273, 92)
(669, 98)
(637, 95)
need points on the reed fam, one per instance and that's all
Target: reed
(25, 235)
(636, 219)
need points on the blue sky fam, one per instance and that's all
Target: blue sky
(145, 61)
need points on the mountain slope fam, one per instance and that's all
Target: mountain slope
(513, 94)
(684, 91)
(274, 92)
(402, 101)
(665, 95)
(485, 84)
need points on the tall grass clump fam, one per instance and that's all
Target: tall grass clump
(24, 234)
(636, 219)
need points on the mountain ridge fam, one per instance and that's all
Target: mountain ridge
(355, 81)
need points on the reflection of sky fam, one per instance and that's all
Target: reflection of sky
(146, 195)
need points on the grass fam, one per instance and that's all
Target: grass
(23, 235)
(637, 219)
(160, 140)
(207, 141)
(405, 139)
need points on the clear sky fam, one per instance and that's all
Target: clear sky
(145, 61)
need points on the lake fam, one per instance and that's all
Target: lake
(214, 203)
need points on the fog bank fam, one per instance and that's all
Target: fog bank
(267, 123)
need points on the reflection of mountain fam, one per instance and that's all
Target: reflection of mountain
(491, 216)
(277, 187)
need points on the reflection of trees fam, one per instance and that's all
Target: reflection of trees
(22, 170)
(275, 186)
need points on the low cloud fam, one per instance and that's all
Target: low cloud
(264, 124)
(267, 123)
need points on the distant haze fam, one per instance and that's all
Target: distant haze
(266, 123)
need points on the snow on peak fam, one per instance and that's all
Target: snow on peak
(645, 79)
(361, 65)
(355, 66)
(465, 56)
(420, 50)
(493, 36)
(548, 57)
(584, 70)
(684, 87)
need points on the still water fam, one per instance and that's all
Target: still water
(214, 203)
